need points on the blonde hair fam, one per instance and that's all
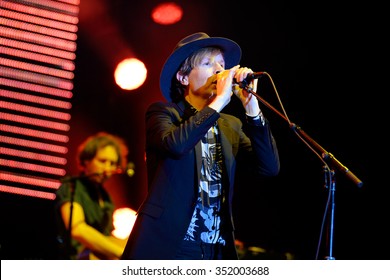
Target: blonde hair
(177, 88)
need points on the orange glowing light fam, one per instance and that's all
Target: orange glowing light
(130, 74)
(123, 220)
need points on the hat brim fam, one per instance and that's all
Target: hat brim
(230, 49)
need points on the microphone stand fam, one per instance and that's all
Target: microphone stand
(326, 156)
(71, 180)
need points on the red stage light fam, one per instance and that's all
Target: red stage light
(167, 13)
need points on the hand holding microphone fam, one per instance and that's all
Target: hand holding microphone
(242, 79)
(249, 78)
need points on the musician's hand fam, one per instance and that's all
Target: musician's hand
(248, 100)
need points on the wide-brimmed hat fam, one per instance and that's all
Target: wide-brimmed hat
(186, 47)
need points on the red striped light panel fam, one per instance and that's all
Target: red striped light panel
(37, 53)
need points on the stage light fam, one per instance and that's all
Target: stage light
(123, 220)
(167, 13)
(130, 74)
(37, 54)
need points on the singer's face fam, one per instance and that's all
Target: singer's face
(210, 64)
(105, 162)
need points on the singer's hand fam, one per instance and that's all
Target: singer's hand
(250, 102)
(224, 84)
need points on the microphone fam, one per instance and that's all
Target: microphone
(129, 170)
(249, 78)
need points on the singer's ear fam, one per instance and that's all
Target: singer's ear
(183, 79)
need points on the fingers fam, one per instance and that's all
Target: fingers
(242, 73)
(233, 76)
(228, 73)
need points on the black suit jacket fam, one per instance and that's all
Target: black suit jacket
(173, 149)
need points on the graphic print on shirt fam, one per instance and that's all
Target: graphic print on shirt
(204, 225)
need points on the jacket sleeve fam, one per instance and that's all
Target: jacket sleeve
(169, 133)
(264, 147)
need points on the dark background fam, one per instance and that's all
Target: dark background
(325, 60)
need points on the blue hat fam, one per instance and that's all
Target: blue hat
(186, 47)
